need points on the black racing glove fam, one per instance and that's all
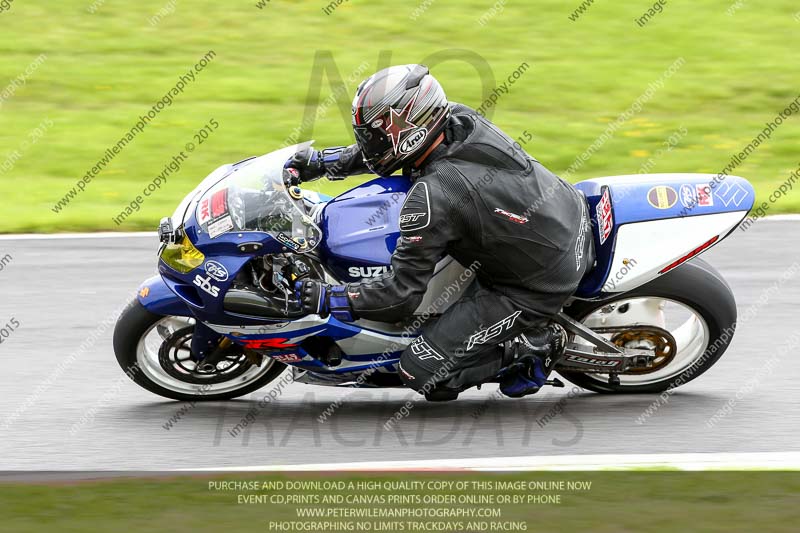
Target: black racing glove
(308, 163)
(322, 299)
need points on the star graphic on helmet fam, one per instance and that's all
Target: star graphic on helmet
(399, 124)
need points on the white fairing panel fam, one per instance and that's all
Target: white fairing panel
(645, 248)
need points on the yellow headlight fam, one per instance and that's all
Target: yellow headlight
(182, 257)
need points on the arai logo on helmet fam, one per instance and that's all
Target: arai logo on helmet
(216, 270)
(413, 141)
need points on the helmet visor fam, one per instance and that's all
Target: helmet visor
(376, 149)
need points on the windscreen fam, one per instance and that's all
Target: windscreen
(253, 197)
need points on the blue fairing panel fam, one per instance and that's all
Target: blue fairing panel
(361, 226)
(156, 297)
(645, 197)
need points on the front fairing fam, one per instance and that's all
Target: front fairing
(264, 218)
(251, 196)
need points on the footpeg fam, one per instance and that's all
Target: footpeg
(555, 382)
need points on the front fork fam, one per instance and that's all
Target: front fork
(208, 346)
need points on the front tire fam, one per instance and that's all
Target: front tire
(698, 287)
(138, 340)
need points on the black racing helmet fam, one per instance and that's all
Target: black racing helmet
(398, 113)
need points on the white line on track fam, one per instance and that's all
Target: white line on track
(682, 461)
(58, 236)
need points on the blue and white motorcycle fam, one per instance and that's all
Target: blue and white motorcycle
(218, 323)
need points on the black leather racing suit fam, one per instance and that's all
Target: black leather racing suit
(482, 200)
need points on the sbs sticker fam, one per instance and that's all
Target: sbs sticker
(205, 284)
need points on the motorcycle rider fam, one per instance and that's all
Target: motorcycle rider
(478, 197)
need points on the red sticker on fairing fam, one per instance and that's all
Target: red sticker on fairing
(219, 203)
(203, 212)
(605, 216)
(705, 197)
(262, 344)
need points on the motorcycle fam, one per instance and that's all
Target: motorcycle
(218, 321)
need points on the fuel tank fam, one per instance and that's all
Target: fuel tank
(361, 228)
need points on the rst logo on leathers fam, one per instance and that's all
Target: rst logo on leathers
(367, 272)
(423, 350)
(411, 217)
(205, 284)
(494, 331)
(416, 211)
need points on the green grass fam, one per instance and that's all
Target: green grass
(616, 502)
(104, 69)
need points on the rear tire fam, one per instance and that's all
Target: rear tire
(134, 324)
(698, 286)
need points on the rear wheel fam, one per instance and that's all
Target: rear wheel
(154, 351)
(686, 316)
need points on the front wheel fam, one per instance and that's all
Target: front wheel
(687, 316)
(154, 351)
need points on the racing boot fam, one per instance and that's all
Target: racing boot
(441, 395)
(530, 358)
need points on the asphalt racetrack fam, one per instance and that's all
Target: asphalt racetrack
(70, 409)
